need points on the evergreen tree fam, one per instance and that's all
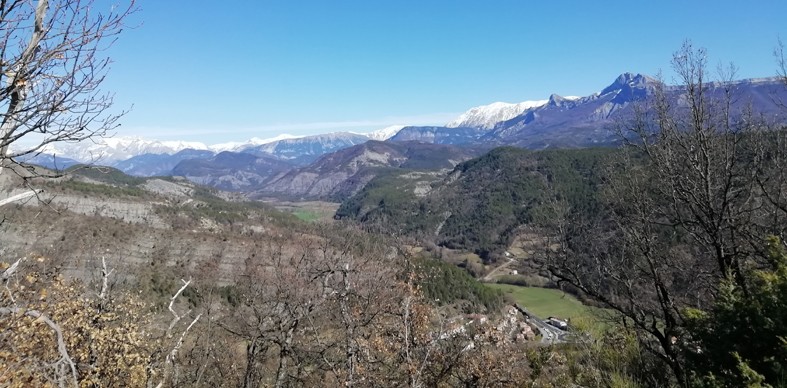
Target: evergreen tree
(742, 341)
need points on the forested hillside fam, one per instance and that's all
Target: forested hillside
(483, 202)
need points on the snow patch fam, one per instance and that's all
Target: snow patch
(384, 133)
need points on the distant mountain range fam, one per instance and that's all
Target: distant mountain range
(342, 173)
(281, 163)
(579, 121)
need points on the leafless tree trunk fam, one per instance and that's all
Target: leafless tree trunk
(350, 347)
(284, 354)
(254, 349)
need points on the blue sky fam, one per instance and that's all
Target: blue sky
(231, 70)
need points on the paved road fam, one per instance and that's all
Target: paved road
(549, 334)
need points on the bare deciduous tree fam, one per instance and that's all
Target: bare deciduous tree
(781, 62)
(52, 65)
(697, 191)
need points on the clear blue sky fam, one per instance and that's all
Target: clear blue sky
(216, 71)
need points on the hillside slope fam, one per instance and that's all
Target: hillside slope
(172, 223)
(341, 174)
(483, 202)
(159, 164)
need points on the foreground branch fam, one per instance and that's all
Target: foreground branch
(11, 270)
(19, 197)
(102, 296)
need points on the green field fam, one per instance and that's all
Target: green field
(306, 215)
(547, 302)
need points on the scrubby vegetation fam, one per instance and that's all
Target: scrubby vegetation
(742, 339)
(105, 191)
(104, 182)
(108, 175)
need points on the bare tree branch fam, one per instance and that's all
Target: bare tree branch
(11, 270)
(173, 354)
(52, 66)
(684, 205)
(19, 197)
(176, 318)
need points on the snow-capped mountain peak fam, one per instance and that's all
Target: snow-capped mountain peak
(283, 136)
(182, 145)
(384, 133)
(486, 116)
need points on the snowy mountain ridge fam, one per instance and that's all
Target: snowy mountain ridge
(107, 150)
(384, 133)
(486, 116)
(110, 150)
(253, 142)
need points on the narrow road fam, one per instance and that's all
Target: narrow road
(488, 277)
